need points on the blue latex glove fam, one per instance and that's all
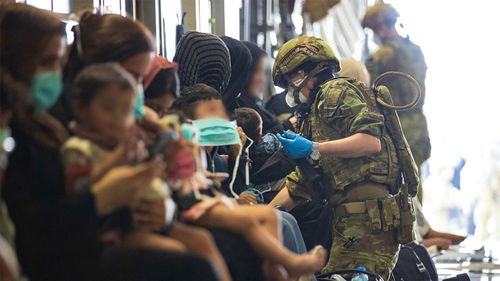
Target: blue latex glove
(295, 146)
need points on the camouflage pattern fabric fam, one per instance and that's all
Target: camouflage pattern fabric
(400, 54)
(340, 111)
(354, 244)
(296, 52)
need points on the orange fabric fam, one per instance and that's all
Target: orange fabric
(158, 64)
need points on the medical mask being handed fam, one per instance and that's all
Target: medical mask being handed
(46, 89)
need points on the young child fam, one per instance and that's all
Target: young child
(263, 148)
(257, 224)
(105, 138)
(201, 101)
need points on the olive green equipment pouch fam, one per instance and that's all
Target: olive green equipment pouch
(388, 215)
(405, 231)
(372, 208)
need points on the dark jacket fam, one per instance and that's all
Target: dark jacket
(260, 153)
(278, 106)
(215, 163)
(56, 234)
(269, 122)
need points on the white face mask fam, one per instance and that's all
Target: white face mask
(290, 99)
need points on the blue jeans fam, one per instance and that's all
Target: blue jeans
(292, 238)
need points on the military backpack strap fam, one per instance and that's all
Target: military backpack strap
(409, 168)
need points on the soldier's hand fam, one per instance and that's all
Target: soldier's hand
(294, 145)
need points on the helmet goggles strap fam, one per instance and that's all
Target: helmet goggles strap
(296, 88)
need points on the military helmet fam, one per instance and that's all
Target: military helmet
(378, 14)
(299, 50)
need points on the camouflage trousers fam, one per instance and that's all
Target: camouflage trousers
(355, 244)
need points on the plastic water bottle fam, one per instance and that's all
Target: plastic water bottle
(360, 276)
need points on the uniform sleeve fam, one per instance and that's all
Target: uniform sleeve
(348, 113)
(298, 189)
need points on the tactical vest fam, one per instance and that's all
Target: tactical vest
(382, 167)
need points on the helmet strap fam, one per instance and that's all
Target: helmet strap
(296, 89)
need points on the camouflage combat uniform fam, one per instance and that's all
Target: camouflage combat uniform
(360, 190)
(360, 237)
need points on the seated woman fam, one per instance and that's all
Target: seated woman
(56, 231)
(161, 86)
(252, 91)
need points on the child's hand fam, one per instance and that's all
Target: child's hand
(247, 199)
(150, 215)
(118, 187)
(235, 149)
(243, 137)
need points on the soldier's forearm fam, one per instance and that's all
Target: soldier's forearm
(357, 145)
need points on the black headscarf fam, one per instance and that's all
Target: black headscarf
(241, 62)
(269, 122)
(257, 53)
(203, 58)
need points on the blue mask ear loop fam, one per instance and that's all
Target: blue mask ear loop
(247, 164)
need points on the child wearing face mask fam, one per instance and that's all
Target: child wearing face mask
(105, 137)
(202, 101)
(257, 224)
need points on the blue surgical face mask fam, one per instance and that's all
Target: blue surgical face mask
(216, 132)
(46, 89)
(189, 132)
(139, 103)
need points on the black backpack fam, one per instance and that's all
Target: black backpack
(460, 277)
(414, 264)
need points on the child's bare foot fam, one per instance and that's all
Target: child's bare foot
(274, 272)
(308, 263)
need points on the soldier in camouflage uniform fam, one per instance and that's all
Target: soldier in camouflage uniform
(352, 147)
(400, 54)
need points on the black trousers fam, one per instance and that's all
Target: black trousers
(140, 264)
(242, 261)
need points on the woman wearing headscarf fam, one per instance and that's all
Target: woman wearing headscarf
(161, 85)
(254, 83)
(241, 63)
(203, 58)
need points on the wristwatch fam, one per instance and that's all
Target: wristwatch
(315, 155)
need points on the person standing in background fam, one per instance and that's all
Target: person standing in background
(398, 53)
